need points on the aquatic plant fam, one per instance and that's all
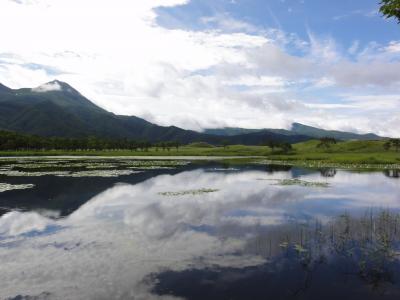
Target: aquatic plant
(9, 187)
(189, 192)
(325, 164)
(368, 245)
(99, 173)
(12, 173)
(295, 181)
(76, 167)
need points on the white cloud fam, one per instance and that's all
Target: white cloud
(226, 23)
(393, 47)
(230, 74)
(16, 223)
(48, 87)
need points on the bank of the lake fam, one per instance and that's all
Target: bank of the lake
(349, 154)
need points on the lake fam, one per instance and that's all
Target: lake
(178, 229)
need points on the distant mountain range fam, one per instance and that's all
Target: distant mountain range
(297, 129)
(57, 109)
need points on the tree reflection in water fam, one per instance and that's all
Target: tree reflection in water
(392, 173)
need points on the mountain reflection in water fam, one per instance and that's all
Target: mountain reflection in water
(247, 238)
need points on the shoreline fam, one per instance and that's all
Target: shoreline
(234, 160)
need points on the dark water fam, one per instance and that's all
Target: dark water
(202, 231)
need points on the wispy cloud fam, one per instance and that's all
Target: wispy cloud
(362, 13)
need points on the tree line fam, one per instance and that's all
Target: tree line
(392, 143)
(17, 141)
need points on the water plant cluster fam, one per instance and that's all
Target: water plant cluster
(369, 246)
(189, 192)
(28, 167)
(9, 187)
(99, 173)
(325, 164)
(296, 181)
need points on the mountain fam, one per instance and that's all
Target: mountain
(230, 131)
(57, 109)
(4, 89)
(296, 130)
(301, 129)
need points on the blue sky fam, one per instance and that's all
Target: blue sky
(200, 64)
(346, 20)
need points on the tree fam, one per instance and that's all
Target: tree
(326, 142)
(16, 141)
(272, 144)
(177, 145)
(390, 9)
(387, 145)
(286, 147)
(395, 143)
(225, 143)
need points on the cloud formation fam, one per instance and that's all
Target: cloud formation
(48, 87)
(231, 73)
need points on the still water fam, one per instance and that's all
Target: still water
(196, 231)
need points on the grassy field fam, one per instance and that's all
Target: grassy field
(349, 154)
(307, 153)
(235, 150)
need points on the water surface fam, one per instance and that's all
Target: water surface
(198, 231)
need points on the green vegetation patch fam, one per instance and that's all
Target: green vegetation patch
(189, 192)
(155, 164)
(13, 173)
(82, 168)
(200, 145)
(299, 182)
(100, 173)
(9, 187)
(306, 162)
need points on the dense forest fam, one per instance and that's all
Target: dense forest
(17, 141)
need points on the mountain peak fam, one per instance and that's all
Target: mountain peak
(297, 125)
(54, 86)
(60, 83)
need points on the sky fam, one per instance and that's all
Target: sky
(213, 63)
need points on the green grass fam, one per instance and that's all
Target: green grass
(347, 154)
(235, 150)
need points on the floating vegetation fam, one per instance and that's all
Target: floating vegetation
(111, 167)
(299, 182)
(13, 173)
(324, 164)
(9, 187)
(189, 192)
(152, 168)
(295, 181)
(41, 167)
(155, 164)
(102, 166)
(100, 173)
(224, 169)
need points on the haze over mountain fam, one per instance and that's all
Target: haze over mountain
(57, 109)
